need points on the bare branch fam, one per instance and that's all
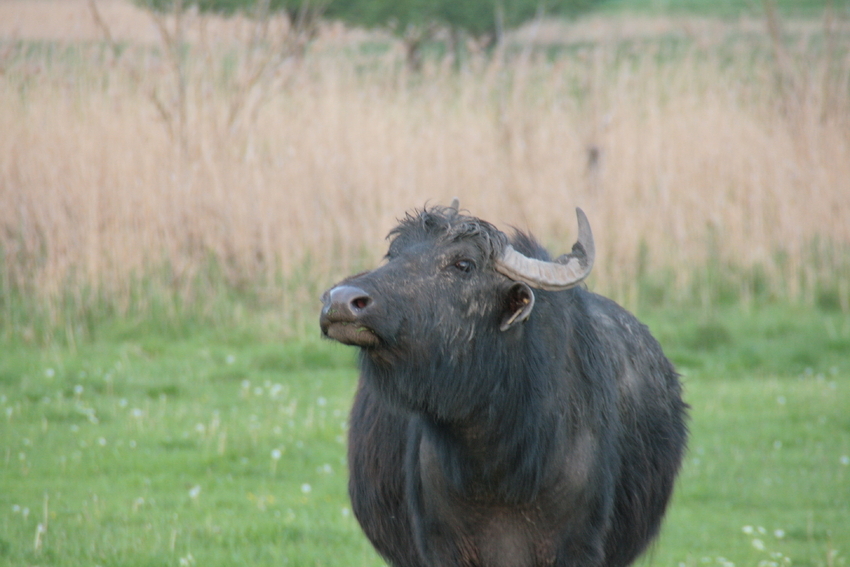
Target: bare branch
(103, 27)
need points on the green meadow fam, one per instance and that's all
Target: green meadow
(156, 445)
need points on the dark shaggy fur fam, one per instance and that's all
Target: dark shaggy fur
(554, 442)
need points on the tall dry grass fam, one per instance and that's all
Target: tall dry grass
(705, 155)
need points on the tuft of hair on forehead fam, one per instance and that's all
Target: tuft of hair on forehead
(445, 225)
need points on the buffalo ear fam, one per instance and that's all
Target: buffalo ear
(520, 302)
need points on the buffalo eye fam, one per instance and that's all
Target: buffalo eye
(464, 265)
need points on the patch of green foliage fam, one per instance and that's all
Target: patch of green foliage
(229, 7)
(223, 445)
(475, 17)
(725, 8)
(478, 18)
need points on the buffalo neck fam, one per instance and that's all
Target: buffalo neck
(500, 454)
(492, 419)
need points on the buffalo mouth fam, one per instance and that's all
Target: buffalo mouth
(351, 333)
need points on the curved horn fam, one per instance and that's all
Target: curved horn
(455, 206)
(567, 271)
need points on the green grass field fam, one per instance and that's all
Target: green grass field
(226, 446)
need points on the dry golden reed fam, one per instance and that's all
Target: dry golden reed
(700, 144)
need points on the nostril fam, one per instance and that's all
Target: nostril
(345, 302)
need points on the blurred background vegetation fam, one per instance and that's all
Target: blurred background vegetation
(203, 159)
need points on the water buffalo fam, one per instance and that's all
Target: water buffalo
(504, 416)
